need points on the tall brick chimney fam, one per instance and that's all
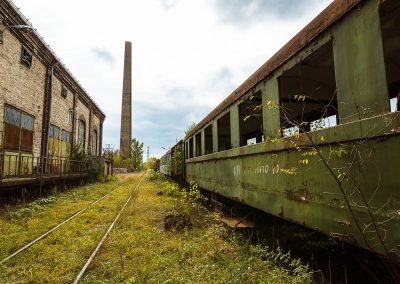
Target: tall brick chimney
(126, 114)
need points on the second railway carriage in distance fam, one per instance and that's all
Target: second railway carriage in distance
(172, 163)
(313, 135)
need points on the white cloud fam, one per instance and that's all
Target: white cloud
(187, 55)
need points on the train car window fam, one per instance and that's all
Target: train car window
(186, 150)
(191, 148)
(307, 93)
(250, 120)
(390, 22)
(224, 133)
(198, 144)
(208, 139)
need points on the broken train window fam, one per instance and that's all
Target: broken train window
(224, 132)
(198, 144)
(251, 120)
(208, 139)
(390, 22)
(307, 93)
(191, 147)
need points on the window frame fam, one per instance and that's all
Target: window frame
(94, 142)
(64, 91)
(22, 131)
(25, 51)
(80, 123)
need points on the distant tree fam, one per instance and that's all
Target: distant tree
(108, 152)
(117, 160)
(190, 128)
(136, 154)
(151, 164)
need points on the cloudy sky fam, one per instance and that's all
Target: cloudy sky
(188, 55)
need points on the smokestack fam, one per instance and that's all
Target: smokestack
(126, 114)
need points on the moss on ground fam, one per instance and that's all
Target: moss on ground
(139, 249)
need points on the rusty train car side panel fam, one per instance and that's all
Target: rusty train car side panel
(355, 38)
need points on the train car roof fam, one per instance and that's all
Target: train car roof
(331, 14)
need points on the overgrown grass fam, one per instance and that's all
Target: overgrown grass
(55, 259)
(196, 248)
(140, 250)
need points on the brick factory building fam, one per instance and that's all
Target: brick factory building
(44, 111)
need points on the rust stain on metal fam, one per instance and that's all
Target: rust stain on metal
(323, 21)
(302, 195)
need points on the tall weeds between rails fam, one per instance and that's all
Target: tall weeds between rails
(213, 253)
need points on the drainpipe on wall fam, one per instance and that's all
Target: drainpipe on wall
(73, 124)
(47, 112)
(101, 138)
(90, 128)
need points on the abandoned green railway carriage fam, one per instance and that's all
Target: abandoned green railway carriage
(313, 135)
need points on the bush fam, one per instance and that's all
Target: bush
(155, 176)
(187, 211)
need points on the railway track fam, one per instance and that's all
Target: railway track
(84, 268)
(77, 214)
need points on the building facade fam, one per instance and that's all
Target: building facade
(44, 111)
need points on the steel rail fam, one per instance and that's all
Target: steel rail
(85, 267)
(57, 226)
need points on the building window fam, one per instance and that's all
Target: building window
(64, 91)
(18, 130)
(26, 56)
(54, 141)
(81, 133)
(70, 117)
(94, 143)
(66, 142)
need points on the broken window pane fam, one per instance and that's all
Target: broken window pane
(251, 120)
(390, 23)
(198, 144)
(224, 133)
(208, 139)
(191, 148)
(307, 93)
(26, 56)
